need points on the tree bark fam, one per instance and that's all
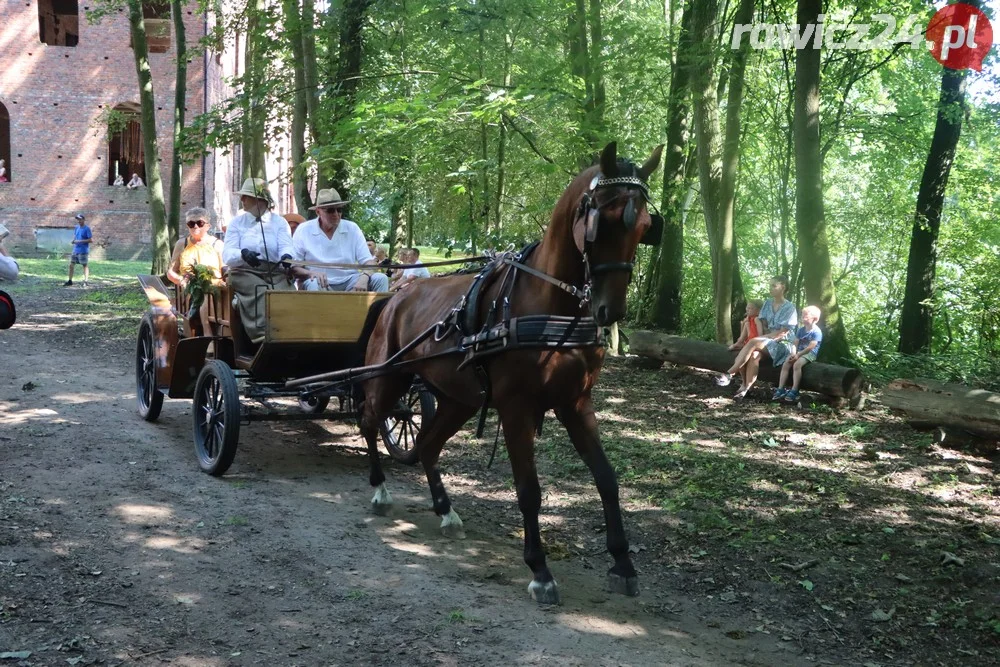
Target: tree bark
(180, 99)
(935, 403)
(300, 176)
(729, 270)
(667, 310)
(706, 124)
(916, 321)
(828, 379)
(810, 223)
(348, 76)
(147, 120)
(255, 116)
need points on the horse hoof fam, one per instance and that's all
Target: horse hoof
(451, 526)
(547, 593)
(382, 501)
(623, 585)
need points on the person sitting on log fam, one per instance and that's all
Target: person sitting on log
(751, 326)
(807, 341)
(779, 317)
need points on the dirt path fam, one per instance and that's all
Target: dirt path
(115, 549)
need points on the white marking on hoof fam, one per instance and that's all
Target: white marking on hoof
(451, 526)
(382, 500)
(547, 593)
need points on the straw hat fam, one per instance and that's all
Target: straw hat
(256, 188)
(293, 217)
(328, 199)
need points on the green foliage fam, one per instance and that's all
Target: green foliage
(453, 93)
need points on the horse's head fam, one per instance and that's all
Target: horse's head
(611, 219)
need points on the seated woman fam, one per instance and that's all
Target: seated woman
(119, 180)
(199, 247)
(779, 317)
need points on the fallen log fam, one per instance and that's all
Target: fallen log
(928, 402)
(838, 381)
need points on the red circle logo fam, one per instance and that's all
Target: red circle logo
(959, 36)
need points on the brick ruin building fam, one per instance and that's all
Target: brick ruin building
(60, 76)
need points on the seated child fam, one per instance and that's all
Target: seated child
(751, 326)
(409, 256)
(807, 341)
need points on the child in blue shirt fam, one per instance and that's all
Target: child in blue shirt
(807, 341)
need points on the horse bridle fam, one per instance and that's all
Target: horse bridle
(591, 210)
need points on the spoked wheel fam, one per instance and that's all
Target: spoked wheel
(148, 398)
(216, 413)
(399, 432)
(314, 404)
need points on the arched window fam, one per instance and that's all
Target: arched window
(59, 22)
(5, 142)
(125, 153)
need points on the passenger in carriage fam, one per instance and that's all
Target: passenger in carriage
(329, 239)
(257, 244)
(198, 247)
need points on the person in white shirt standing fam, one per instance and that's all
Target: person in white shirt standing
(257, 243)
(329, 239)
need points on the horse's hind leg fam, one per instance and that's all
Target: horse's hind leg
(519, 434)
(450, 417)
(381, 396)
(581, 424)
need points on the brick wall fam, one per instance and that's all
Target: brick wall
(59, 154)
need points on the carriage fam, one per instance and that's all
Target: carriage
(233, 381)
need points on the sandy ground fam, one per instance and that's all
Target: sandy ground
(116, 549)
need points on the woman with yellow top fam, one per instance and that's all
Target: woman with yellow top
(199, 247)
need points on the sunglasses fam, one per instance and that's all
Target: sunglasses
(196, 223)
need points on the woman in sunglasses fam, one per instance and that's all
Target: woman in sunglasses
(199, 247)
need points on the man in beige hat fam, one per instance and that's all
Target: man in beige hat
(329, 239)
(256, 241)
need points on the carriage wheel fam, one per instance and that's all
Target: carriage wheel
(216, 413)
(399, 432)
(148, 398)
(314, 404)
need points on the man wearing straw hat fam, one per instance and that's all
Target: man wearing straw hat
(329, 239)
(256, 241)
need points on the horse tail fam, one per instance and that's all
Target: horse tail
(374, 311)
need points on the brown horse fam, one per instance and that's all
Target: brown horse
(523, 383)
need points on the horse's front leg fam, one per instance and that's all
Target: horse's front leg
(449, 417)
(581, 424)
(519, 436)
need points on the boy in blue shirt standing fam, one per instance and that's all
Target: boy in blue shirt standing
(82, 238)
(807, 341)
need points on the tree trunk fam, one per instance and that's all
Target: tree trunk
(809, 220)
(916, 321)
(180, 99)
(255, 116)
(310, 81)
(730, 282)
(300, 176)
(927, 402)
(348, 76)
(706, 125)
(667, 303)
(147, 120)
(828, 379)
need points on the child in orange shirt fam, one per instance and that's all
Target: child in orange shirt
(751, 326)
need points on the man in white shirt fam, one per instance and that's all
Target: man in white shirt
(329, 239)
(256, 240)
